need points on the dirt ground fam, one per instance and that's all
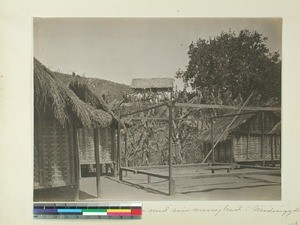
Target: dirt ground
(190, 185)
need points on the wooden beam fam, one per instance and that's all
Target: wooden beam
(143, 110)
(145, 118)
(231, 115)
(191, 119)
(128, 169)
(97, 155)
(233, 174)
(257, 167)
(207, 106)
(153, 174)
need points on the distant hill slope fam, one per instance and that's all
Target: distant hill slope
(113, 91)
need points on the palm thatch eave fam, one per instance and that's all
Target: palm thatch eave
(52, 96)
(84, 91)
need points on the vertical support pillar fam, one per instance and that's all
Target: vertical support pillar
(126, 153)
(262, 136)
(275, 146)
(77, 163)
(119, 149)
(97, 156)
(248, 142)
(231, 150)
(212, 141)
(176, 154)
(114, 152)
(272, 155)
(171, 180)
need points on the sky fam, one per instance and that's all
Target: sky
(120, 49)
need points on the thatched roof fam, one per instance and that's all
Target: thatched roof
(82, 89)
(221, 124)
(114, 92)
(146, 83)
(50, 95)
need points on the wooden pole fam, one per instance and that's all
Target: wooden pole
(248, 142)
(176, 154)
(143, 110)
(97, 156)
(119, 149)
(126, 153)
(171, 180)
(212, 141)
(272, 156)
(77, 163)
(208, 106)
(113, 150)
(215, 144)
(275, 146)
(262, 136)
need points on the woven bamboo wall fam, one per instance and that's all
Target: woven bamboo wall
(53, 154)
(239, 146)
(86, 146)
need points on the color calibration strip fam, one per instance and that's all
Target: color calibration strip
(87, 211)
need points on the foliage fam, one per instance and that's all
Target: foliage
(229, 66)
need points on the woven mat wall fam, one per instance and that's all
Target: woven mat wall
(86, 146)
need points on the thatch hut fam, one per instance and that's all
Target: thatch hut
(108, 156)
(58, 113)
(154, 84)
(248, 139)
(149, 88)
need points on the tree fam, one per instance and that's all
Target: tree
(230, 66)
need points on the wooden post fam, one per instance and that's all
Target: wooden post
(275, 146)
(113, 150)
(119, 149)
(171, 181)
(126, 153)
(176, 154)
(97, 156)
(231, 151)
(262, 136)
(272, 156)
(212, 141)
(236, 115)
(248, 142)
(77, 164)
